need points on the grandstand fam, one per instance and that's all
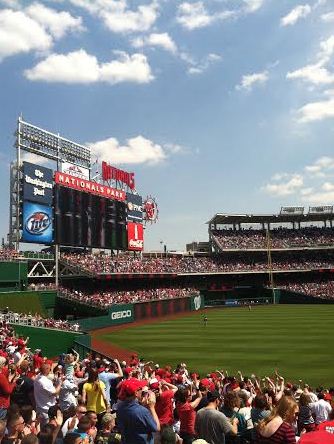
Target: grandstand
(99, 281)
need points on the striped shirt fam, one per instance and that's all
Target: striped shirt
(283, 435)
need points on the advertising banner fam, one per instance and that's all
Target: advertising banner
(37, 183)
(135, 236)
(90, 187)
(37, 223)
(197, 302)
(135, 207)
(74, 170)
(121, 314)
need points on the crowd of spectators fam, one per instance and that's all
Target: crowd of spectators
(35, 320)
(101, 263)
(319, 289)
(40, 286)
(99, 400)
(104, 299)
(8, 254)
(279, 238)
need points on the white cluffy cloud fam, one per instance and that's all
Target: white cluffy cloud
(162, 40)
(118, 17)
(314, 184)
(136, 150)
(33, 29)
(321, 167)
(196, 67)
(57, 23)
(20, 34)
(194, 15)
(250, 80)
(82, 68)
(328, 17)
(300, 11)
(253, 5)
(317, 74)
(321, 195)
(284, 184)
(315, 111)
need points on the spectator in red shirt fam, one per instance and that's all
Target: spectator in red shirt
(185, 409)
(164, 394)
(37, 359)
(7, 384)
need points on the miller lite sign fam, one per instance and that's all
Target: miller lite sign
(37, 223)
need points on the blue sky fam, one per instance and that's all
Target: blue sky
(216, 105)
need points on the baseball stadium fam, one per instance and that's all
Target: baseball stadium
(256, 298)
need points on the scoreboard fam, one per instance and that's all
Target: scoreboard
(87, 220)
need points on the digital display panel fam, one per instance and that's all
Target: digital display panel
(87, 220)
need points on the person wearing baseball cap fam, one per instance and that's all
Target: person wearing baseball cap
(136, 416)
(164, 393)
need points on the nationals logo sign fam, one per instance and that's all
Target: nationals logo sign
(150, 209)
(135, 236)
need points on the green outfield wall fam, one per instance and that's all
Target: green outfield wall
(13, 275)
(290, 297)
(127, 313)
(52, 342)
(221, 297)
(41, 302)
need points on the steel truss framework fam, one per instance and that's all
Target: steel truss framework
(32, 139)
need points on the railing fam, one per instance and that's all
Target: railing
(83, 349)
(30, 321)
(40, 256)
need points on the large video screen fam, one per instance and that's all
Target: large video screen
(87, 220)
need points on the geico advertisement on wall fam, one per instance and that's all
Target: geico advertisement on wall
(74, 170)
(36, 223)
(121, 314)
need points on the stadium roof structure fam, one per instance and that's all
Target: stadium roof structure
(226, 219)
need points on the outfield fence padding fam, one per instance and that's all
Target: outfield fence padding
(128, 313)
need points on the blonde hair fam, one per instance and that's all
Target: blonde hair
(285, 409)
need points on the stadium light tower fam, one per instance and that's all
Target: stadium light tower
(270, 264)
(42, 143)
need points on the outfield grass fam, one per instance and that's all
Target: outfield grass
(296, 339)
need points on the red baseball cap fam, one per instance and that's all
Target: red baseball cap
(130, 386)
(205, 382)
(319, 437)
(154, 383)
